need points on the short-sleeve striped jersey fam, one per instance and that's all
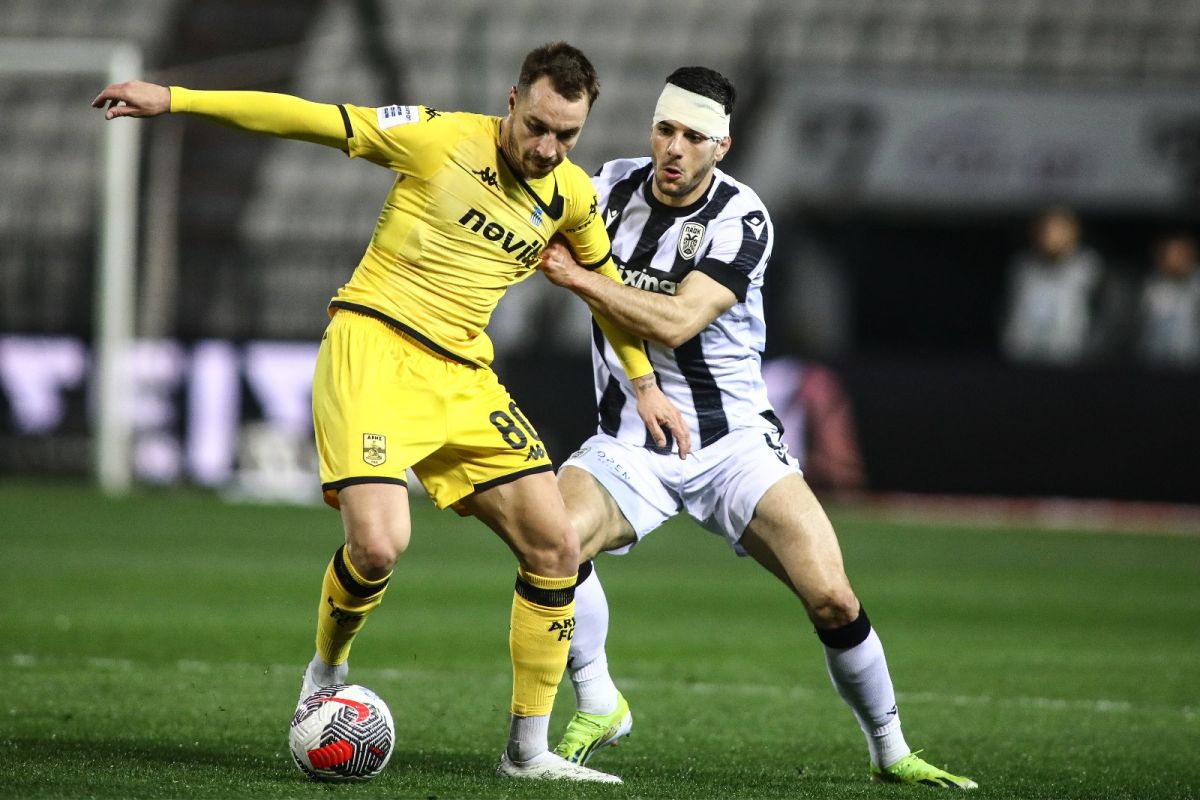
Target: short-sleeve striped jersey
(716, 378)
(459, 226)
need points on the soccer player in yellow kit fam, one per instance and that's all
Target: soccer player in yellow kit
(402, 377)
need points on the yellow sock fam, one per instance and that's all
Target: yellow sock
(346, 600)
(543, 621)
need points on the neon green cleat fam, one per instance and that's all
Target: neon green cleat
(587, 733)
(913, 769)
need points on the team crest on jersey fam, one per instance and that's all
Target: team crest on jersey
(391, 116)
(374, 448)
(535, 219)
(690, 236)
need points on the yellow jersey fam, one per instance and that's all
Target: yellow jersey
(459, 225)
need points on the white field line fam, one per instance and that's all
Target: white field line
(1098, 706)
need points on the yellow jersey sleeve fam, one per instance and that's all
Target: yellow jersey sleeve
(407, 139)
(265, 112)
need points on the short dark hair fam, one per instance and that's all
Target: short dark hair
(707, 83)
(570, 72)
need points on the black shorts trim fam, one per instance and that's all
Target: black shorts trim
(494, 482)
(337, 486)
(421, 338)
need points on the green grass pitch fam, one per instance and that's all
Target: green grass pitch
(152, 647)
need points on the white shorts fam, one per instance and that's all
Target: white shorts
(719, 486)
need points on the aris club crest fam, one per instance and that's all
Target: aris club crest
(374, 448)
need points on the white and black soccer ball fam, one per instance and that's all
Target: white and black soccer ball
(342, 733)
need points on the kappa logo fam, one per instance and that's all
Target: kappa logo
(487, 177)
(755, 221)
(690, 237)
(374, 448)
(593, 210)
(536, 452)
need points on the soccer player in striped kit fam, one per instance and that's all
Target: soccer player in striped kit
(692, 245)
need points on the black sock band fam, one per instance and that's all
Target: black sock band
(349, 582)
(550, 598)
(849, 635)
(585, 572)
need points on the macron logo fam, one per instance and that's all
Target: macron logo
(756, 222)
(391, 116)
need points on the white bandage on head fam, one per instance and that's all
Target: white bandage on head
(696, 111)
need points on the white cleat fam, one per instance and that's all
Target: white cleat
(551, 767)
(310, 685)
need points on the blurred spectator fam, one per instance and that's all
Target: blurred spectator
(818, 422)
(1169, 307)
(1054, 295)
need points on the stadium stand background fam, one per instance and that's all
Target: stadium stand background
(244, 238)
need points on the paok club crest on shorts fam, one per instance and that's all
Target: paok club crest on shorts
(374, 448)
(690, 236)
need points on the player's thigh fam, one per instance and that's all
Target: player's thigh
(529, 515)
(594, 513)
(626, 498)
(791, 535)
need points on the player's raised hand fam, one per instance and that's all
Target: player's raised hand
(133, 99)
(658, 412)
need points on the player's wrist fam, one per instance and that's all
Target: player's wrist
(643, 383)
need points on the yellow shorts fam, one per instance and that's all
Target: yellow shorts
(383, 403)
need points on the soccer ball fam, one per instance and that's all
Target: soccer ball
(342, 733)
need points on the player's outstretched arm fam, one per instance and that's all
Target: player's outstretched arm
(259, 112)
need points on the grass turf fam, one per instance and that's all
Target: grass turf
(151, 647)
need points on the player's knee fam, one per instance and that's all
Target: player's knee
(376, 556)
(557, 558)
(833, 609)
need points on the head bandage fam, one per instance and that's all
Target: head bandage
(696, 111)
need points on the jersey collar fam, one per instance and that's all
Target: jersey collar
(554, 209)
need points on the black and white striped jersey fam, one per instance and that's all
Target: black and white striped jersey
(716, 378)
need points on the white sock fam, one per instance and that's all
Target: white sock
(587, 664)
(528, 737)
(324, 674)
(861, 677)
